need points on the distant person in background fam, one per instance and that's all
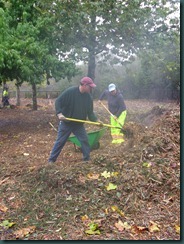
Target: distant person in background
(5, 96)
(117, 108)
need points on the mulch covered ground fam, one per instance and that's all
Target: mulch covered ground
(129, 191)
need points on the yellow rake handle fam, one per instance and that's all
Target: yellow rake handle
(91, 122)
(111, 114)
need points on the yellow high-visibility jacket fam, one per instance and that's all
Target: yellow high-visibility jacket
(5, 93)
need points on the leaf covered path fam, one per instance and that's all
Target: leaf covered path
(128, 192)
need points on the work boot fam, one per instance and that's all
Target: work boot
(87, 160)
(51, 163)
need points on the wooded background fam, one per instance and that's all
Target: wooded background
(49, 45)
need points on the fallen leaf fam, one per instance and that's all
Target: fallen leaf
(114, 174)
(32, 168)
(92, 232)
(145, 164)
(111, 186)
(116, 209)
(121, 213)
(93, 176)
(119, 225)
(106, 211)
(122, 226)
(153, 227)
(106, 174)
(84, 218)
(24, 232)
(93, 226)
(126, 226)
(138, 229)
(7, 224)
(177, 228)
(93, 229)
(3, 208)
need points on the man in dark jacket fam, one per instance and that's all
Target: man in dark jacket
(117, 107)
(74, 102)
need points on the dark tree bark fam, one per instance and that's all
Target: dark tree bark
(17, 95)
(91, 65)
(91, 47)
(35, 107)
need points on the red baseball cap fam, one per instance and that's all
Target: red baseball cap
(87, 81)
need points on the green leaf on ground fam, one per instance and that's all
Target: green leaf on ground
(93, 229)
(7, 224)
(111, 186)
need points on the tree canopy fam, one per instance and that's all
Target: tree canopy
(43, 39)
(113, 30)
(29, 52)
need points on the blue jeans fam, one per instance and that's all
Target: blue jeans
(64, 131)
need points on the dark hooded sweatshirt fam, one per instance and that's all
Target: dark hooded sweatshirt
(74, 104)
(116, 102)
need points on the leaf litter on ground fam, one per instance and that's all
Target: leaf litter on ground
(54, 199)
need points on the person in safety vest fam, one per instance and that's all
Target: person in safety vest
(5, 97)
(117, 109)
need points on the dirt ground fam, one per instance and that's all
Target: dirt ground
(130, 191)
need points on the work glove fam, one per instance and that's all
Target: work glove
(61, 116)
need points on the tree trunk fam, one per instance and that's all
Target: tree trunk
(17, 95)
(34, 96)
(91, 48)
(91, 65)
